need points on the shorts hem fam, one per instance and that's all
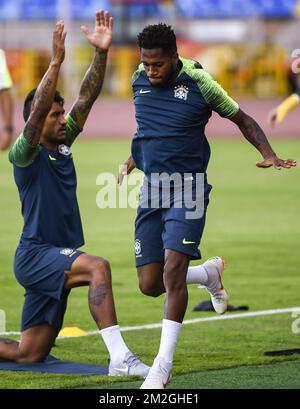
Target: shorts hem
(69, 265)
(193, 255)
(36, 324)
(148, 260)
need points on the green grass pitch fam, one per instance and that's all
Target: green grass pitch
(253, 222)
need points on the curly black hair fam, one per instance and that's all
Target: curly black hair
(158, 36)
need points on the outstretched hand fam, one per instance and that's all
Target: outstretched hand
(102, 35)
(277, 163)
(58, 45)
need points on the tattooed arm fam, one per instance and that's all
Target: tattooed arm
(44, 95)
(91, 85)
(255, 135)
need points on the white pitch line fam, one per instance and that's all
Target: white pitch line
(193, 321)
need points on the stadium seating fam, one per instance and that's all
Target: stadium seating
(236, 8)
(79, 9)
(84, 9)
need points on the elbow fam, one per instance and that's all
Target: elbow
(242, 120)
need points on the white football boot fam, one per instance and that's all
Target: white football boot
(131, 366)
(159, 375)
(214, 267)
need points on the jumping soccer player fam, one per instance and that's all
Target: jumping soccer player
(6, 103)
(48, 263)
(174, 99)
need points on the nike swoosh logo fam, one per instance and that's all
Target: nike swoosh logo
(144, 91)
(122, 370)
(51, 158)
(184, 241)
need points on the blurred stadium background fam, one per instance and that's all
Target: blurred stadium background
(246, 45)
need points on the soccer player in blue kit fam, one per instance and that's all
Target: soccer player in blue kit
(48, 263)
(174, 99)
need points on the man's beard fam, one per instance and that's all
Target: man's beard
(172, 76)
(58, 140)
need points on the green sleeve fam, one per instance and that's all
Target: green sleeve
(136, 74)
(22, 154)
(214, 94)
(72, 130)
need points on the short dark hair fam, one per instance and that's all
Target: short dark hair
(28, 102)
(158, 36)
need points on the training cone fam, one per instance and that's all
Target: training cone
(72, 332)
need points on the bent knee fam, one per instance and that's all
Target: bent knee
(30, 358)
(151, 289)
(101, 269)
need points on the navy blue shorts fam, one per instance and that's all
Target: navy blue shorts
(40, 269)
(158, 229)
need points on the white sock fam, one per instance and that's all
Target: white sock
(196, 275)
(114, 343)
(169, 335)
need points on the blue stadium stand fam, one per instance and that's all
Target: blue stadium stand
(31, 10)
(84, 9)
(236, 8)
(143, 10)
(38, 10)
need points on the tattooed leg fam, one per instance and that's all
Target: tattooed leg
(95, 272)
(101, 303)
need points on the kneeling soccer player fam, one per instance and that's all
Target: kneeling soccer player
(47, 262)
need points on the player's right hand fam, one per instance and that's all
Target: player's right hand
(58, 45)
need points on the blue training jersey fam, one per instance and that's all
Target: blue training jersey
(47, 183)
(171, 120)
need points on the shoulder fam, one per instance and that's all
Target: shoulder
(189, 64)
(137, 73)
(195, 71)
(22, 154)
(205, 82)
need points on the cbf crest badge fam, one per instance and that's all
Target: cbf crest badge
(181, 92)
(64, 150)
(137, 248)
(66, 252)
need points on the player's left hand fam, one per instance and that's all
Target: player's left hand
(277, 163)
(102, 35)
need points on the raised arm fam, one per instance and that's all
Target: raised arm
(255, 135)
(44, 95)
(92, 82)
